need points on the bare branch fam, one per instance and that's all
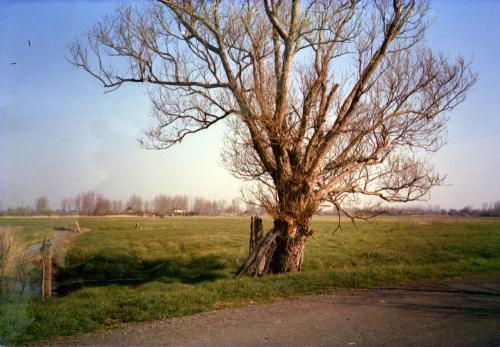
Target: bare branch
(324, 101)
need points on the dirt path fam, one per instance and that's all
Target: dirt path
(459, 313)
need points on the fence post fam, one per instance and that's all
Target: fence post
(46, 253)
(256, 233)
(76, 228)
(250, 243)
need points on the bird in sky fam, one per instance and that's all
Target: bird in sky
(29, 43)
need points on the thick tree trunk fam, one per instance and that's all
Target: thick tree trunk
(280, 251)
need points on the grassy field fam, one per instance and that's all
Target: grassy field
(182, 265)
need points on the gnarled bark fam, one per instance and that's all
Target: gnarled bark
(280, 251)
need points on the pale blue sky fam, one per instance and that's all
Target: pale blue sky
(60, 135)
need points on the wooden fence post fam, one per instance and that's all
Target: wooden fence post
(256, 233)
(76, 228)
(250, 242)
(46, 253)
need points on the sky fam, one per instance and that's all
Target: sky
(61, 135)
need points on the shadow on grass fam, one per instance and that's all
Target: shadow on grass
(115, 268)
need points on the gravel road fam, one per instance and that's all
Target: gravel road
(456, 313)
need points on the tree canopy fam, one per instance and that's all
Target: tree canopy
(326, 100)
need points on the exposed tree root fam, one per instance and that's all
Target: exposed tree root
(275, 253)
(259, 259)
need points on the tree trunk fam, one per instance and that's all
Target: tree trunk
(280, 251)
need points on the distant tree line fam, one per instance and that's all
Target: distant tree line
(487, 210)
(94, 204)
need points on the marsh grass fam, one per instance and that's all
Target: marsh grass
(180, 265)
(15, 265)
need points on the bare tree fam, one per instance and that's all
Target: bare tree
(88, 202)
(146, 206)
(200, 206)
(167, 205)
(235, 207)
(42, 205)
(180, 202)
(102, 205)
(77, 201)
(327, 100)
(162, 204)
(66, 205)
(117, 206)
(205, 207)
(135, 203)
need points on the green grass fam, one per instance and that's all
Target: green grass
(186, 265)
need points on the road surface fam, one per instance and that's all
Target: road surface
(458, 313)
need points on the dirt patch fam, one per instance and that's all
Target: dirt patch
(460, 312)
